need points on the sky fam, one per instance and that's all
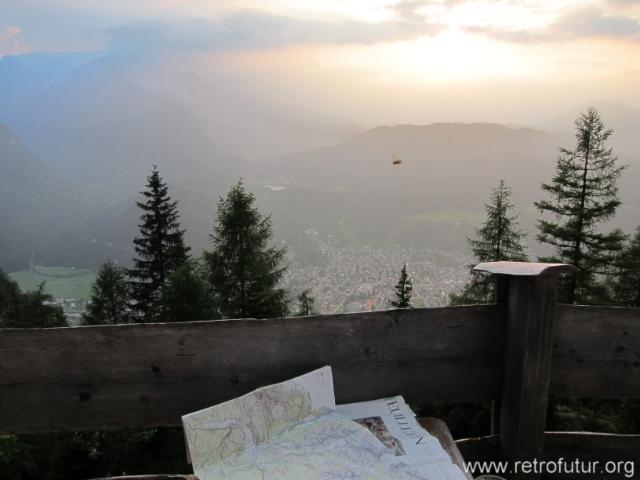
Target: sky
(369, 61)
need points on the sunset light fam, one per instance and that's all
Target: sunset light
(211, 209)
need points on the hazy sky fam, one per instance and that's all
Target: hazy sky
(368, 60)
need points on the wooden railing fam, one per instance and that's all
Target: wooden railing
(519, 350)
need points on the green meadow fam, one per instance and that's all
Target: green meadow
(60, 282)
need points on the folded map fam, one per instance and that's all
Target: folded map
(293, 430)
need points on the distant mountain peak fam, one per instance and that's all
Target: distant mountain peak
(7, 137)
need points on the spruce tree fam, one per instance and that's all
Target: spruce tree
(583, 194)
(189, 295)
(110, 297)
(305, 302)
(403, 289)
(626, 287)
(245, 270)
(498, 239)
(160, 249)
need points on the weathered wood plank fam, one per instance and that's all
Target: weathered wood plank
(531, 303)
(142, 375)
(594, 446)
(596, 352)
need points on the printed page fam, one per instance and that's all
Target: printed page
(395, 425)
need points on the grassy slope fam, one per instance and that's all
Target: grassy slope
(61, 282)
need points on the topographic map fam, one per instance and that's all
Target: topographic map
(328, 447)
(292, 431)
(218, 432)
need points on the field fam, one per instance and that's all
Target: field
(60, 282)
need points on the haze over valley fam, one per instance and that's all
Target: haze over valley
(83, 123)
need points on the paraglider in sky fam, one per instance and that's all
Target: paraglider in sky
(395, 163)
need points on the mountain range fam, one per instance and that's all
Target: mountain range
(81, 132)
(37, 205)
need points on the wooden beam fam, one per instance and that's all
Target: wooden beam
(594, 446)
(596, 352)
(104, 377)
(531, 298)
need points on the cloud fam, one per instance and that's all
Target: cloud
(515, 36)
(9, 31)
(623, 3)
(408, 10)
(590, 22)
(581, 23)
(9, 41)
(248, 30)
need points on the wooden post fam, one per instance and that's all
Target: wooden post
(501, 296)
(530, 290)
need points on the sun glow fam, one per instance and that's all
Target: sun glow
(451, 56)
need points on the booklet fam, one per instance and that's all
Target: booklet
(294, 430)
(393, 422)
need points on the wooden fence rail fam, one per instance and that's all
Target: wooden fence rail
(66, 379)
(521, 350)
(596, 352)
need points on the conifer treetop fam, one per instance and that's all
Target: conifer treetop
(403, 289)
(581, 196)
(160, 248)
(499, 237)
(245, 268)
(110, 297)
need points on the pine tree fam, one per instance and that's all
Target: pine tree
(245, 270)
(305, 301)
(110, 297)
(583, 194)
(498, 239)
(27, 309)
(189, 295)
(626, 287)
(403, 290)
(160, 249)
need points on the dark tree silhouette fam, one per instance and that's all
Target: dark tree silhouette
(403, 290)
(305, 303)
(245, 270)
(27, 309)
(498, 239)
(583, 194)
(110, 297)
(160, 249)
